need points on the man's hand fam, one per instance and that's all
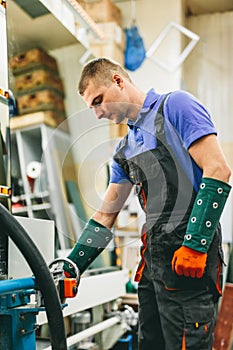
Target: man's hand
(68, 270)
(189, 262)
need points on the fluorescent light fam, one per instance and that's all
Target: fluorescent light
(85, 18)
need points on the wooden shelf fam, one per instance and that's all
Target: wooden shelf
(49, 118)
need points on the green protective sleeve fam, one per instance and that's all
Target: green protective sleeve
(205, 215)
(94, 238)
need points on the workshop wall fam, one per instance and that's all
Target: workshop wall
(209, 73)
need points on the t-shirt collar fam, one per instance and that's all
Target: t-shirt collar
(151, 98)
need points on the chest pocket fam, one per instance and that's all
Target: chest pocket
(143, 167)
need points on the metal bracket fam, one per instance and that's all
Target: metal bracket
(180, 59)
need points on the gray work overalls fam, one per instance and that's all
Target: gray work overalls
(175, 312)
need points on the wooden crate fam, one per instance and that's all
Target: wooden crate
(40, 101)
(31, 59)
(103, 11)
(35, 80)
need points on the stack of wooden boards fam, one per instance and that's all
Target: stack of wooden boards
(37, 84)
(108, 18)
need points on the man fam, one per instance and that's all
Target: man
(172, 157)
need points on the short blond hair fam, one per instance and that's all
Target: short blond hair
(100, 71)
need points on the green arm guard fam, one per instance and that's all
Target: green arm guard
(205, 215)
(94, 238)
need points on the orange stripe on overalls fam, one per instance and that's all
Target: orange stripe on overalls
(218, 281)
(183, 341)
(141, 266)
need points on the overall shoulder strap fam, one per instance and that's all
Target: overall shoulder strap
(119, 156)
(159, 121)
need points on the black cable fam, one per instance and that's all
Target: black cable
(45, 283)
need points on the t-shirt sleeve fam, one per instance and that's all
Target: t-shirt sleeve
(117, 174)
(190, 118)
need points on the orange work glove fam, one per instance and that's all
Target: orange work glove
(189, 262)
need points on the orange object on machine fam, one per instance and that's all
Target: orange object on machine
(68, 287)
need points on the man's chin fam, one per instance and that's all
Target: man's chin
(114, 121)
(117, 121)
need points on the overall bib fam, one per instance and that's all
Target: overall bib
(175, 312)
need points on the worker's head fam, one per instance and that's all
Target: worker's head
(100, 71)
(107, 88)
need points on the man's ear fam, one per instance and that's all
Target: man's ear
(116, 78)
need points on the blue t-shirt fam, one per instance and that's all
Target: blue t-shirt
(185, 121)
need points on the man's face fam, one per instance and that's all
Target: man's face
(108, 102)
